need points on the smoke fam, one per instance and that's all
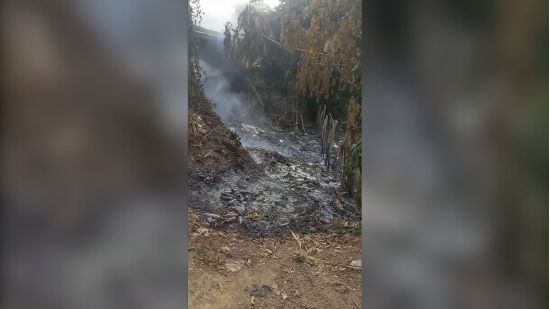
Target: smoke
(227, 87)
(231, 106)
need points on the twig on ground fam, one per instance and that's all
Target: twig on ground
(213, 215)
(297, 239)
(202, 139)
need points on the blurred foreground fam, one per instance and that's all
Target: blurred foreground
(456, 191)
(94, 154)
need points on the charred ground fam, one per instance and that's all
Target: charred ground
(260, 179)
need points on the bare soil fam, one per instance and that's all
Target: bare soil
(230, 270)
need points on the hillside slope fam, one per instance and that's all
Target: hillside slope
(212, 146)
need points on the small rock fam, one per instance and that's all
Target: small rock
(201, 231)
(225, 249)
(259, 291)
(284, 296)
(356, 263)
(234, 266)
(254, 216)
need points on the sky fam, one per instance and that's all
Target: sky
(218, 12)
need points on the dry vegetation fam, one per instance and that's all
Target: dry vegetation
(212, 147)
(324, 34)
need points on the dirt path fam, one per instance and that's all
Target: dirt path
(229, 270)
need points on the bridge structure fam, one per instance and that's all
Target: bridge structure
(211, 54)
(208, 34)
